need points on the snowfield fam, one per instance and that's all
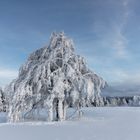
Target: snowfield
(101, 123)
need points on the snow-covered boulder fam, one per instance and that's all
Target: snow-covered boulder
(54, 78)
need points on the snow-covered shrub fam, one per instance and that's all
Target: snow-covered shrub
(54, 78)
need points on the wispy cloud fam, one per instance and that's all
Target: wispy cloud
(7, 75)
(121, 76)
(119, 43)
(111, 31)
(120, 40)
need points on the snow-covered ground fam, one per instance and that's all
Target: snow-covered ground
(104, 123)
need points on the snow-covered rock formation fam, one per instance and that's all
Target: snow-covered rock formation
(54, 78)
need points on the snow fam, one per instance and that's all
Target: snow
(100, 123)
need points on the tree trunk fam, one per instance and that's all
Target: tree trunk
(60, 110)
(64, 110)
(57, 114)
(50, 113)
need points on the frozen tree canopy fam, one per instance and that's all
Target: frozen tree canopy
(53, 78)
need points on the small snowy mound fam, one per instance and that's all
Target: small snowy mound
(53, 78)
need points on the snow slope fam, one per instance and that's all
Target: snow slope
(103, 123)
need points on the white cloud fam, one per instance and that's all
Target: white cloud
(7, 75)
(119, 43)
(118, 75)
(111, 31)
(125, 3)
(120, 40)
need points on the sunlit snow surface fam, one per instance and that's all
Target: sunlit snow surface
(104, 123)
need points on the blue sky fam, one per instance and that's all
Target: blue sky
(105, 32)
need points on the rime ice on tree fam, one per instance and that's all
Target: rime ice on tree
(2, 101)
(53, 78)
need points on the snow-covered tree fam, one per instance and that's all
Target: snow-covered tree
(54, 78)
(136, 101)
(2, 101)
